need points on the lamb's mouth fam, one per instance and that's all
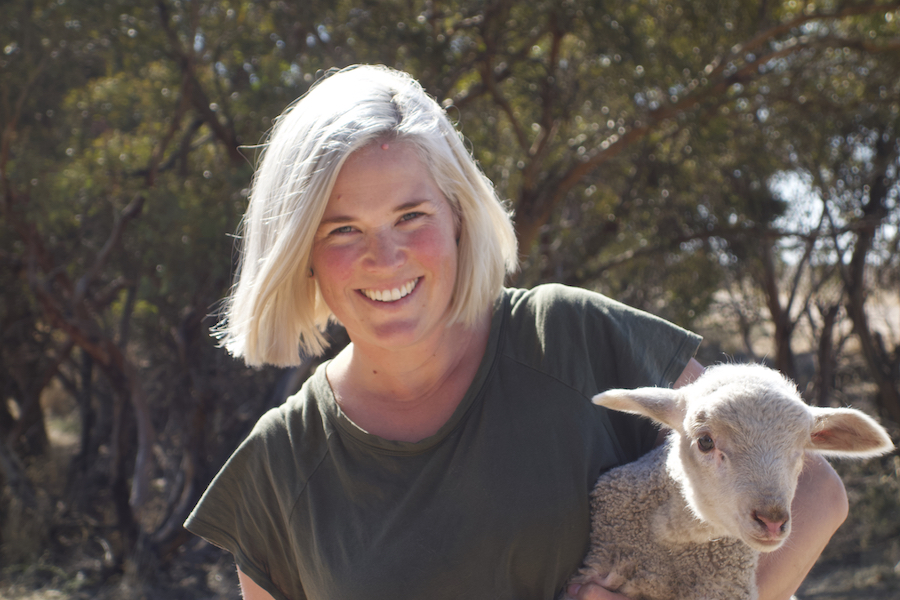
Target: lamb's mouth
(767, 544)
(391, 295)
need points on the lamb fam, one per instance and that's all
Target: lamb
(690, 518)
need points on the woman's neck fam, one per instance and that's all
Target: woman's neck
(408, 394)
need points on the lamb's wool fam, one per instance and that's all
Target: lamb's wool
(623, 504)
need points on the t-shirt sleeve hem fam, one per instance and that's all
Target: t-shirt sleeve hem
(222, 539)
(686, 350)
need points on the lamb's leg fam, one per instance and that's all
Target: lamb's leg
(613, 581)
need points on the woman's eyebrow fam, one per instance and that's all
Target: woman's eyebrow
(335, 220)
(341, 219)
(411, 205)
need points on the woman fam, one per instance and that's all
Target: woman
(448, 451)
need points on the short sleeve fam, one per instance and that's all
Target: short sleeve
(648, 350)
(246, 509)
(595, 344)
(643, 350)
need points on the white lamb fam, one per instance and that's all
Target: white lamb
(688, 520)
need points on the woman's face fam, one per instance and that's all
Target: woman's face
(385, 253)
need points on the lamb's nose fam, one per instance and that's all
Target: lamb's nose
(774, 521)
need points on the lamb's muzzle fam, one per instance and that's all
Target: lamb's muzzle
(773, 521)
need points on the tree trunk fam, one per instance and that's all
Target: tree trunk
(29, 434)
(874, 213)
(23, 523)
(781, 317)
(85, 394)
(825, 356)
(14, 476)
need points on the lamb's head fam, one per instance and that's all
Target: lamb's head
(739, 437)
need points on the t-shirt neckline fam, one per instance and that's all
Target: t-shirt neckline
(329, 406)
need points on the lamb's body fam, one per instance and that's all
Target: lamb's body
(627, 503)
(689, 520)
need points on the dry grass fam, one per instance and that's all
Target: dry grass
(200, 573)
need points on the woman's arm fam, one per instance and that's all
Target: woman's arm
(692, 371)
(250, 590)
(819, 507)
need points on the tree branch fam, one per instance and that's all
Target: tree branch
(90, 276)
(194, 91)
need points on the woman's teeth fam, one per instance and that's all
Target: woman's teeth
(391, 295)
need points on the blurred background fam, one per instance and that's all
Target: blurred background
(730, 165)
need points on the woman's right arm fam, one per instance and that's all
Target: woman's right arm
(250, 590)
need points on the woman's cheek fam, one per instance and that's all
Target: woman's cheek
(434, 244)
(334, 264)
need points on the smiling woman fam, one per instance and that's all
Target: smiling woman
(387, 227)
(274, 303)
(448, 451)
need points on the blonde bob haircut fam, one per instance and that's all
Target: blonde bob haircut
(275, 311)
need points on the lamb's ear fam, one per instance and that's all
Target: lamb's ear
(847, 432)
(663, 405)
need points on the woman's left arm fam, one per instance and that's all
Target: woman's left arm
(819, 507)
(692, 371)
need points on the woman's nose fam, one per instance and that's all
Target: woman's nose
(384, 251)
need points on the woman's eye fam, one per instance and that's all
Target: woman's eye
(410, 216)
(705, 444)
(344, 229)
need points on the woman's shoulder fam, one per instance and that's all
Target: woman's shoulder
(290, 437)
(565, 326)
(552, 322)
(558, 296)
(557, 306)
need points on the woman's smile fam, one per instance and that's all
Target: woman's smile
(391, 295)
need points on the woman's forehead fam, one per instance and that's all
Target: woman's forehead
(383, 174)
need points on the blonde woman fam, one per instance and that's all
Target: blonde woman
(447, 451)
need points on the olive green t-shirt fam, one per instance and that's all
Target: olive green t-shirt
(494, 505)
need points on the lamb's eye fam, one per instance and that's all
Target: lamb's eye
(705, 443)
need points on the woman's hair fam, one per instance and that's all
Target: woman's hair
(275, 310)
